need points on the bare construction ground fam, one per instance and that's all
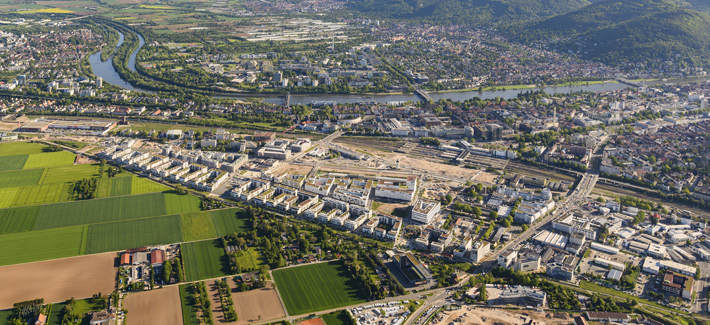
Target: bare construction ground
(155, 307)
(58, 280)
(484, 316)
(262, 302)
(295, 169)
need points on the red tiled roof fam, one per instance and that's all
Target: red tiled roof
(157, 256)
(125, 258)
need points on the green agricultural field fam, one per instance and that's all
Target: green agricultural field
(337, 318)
(42, 194)
(15, 178)
(7, 196)
(20, 148)
(197, 226)
(71, 144)
(66, 174)
(18, 219)
(49, 159)
(121, 186)
(205, 260)
(141, 185)
(116, 236)
(5, 316)
(177, 204)
(100, 210)
(12, 162)
(316, 287)
(229, 221)
(189, 316)
(103, 189)
(41, 245)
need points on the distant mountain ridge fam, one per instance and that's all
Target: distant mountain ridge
(465, 11)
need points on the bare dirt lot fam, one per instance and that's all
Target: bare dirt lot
(265, 302)
(58, 280)
(155, 307)
(297, 169)
(476, 316)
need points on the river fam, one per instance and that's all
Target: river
(106, 71)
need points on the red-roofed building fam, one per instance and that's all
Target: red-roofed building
(157, 257)
(125, 258)
(41, 319)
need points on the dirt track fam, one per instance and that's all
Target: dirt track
(265, 302)
(57, 280)
(156, 307)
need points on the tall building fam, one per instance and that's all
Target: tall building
(424, 210)
(99, 82)
(278, 75)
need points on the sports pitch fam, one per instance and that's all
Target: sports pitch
(205, 260)
(316, 287)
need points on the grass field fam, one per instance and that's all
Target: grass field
(65, 174)
(205, 260)
(316, 287)
(177, 204)
(228, 221)
(103, 189)
(71, 144)
(20, 148)
(41, 194)
(133, 233)
(40, 245)
(337, 318)
(16, 178)
(140, 185)
(250, 259)
(12, 162)
(189, 316)
(18, 219)
(5, 316)
(197, 226)
(49, 159)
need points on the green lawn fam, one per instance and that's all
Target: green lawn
(5, 316)
(316, 287)
(116, 236)
(65, 174)
(177, 204)
(141, 185)
(197, 226)
(100, 210)
(49, 159)
(18, 219)
(250, 259)
(337, 318)
(15, 178)
(20, 148)
(55, 316)
(42, 194)
(227, 221)
(41, 245)
(189, 316)
(205, 260)
(12, 162)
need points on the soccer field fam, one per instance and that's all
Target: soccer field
(116, 236)
(49, 159)
(227, 221)
(315, 287)
(205, 260)
(40, 245)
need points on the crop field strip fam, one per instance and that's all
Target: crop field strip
(18, 219)
(116, 236)
(316, 287)
(227, 221)
(177, 204)
(189, 316)
(12, 162)
(66, 174)
(49, 159)
(20, 148)
(141, 185)
(120, 186)
(204, 260)
(22, 177)
(40, 245)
